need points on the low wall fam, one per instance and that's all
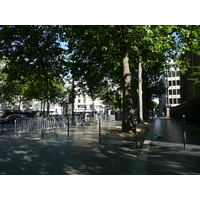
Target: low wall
(191, 110)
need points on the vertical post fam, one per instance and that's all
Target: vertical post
(54, 125)
(15, 121)
(68, 127)
(184, 132)
(2, 128)
(135, 131)
(99, 130)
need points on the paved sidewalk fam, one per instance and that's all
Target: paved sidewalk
(80, 155)
(163, 151)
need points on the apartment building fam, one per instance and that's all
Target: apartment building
(172, 97)
(83, 103)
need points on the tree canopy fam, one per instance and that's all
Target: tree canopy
(34, 56)
(114, 52)
(97, 56)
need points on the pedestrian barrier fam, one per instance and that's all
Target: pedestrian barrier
(41, 125)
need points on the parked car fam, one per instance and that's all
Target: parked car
(59, 116)
(11, 118)
(90, 115)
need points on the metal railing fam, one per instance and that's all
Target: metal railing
(40, 125)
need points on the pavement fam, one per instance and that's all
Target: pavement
(81, 154)
(164, 153)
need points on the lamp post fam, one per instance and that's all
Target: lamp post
(184, 132)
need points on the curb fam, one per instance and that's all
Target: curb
(138, 168)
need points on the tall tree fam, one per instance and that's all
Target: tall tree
(103, 51)
(140, 92)
(34, 55)
(154, 44)
(112, 51)
(189, 43)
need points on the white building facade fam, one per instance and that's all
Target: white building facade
(172, 96)
(83, 103)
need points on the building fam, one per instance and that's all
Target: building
(172, 97)
(190, 93)
(83, 103)
(190, 90)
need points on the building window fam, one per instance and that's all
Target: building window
(174, 92)
(173, 73)
(174, 83)
(174, 101)
(79, 101)
(81, 106)
(170, 92)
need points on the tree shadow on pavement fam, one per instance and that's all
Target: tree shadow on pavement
(173, 160)
(77, 156)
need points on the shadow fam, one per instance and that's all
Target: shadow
(167, 155)
(175, 160)
(172, 131)
(80, 155)
(7, 129)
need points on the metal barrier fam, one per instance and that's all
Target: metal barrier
(36, 125)
(39, 125)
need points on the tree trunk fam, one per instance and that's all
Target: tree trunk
(41, 109)
(127, 114)
(44, 109)
(145, 100)
(127, 117)
(73, 99)
(145, 104)
(140, 103)
(48, 94)
(48, 103)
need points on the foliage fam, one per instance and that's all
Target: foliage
(190, 44)
(113, 98)
(95, 55)
(35, 58)
(99, 51)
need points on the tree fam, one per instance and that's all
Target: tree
(11, 92)
(34, 55)
(113, 51)
(153, 87)
(95, 49)
(140, 92)
(113, 98)
(188, 38)
(154, 44)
